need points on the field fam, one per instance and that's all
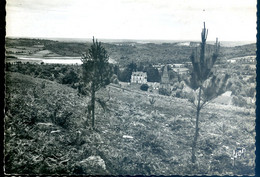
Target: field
(46, 132)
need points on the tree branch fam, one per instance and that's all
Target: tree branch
(206, 102)
(193, 103)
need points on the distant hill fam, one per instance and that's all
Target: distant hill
(238, 51)
(124, 52)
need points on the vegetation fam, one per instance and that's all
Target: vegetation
(161, 133)
(164, 91)
(126, 53)
(96, 72)
(63, 74)
(152, 74)
(139, 133)
(125, 75)
(66, 49)
(202, 66)
(40, 116)
(144, 87)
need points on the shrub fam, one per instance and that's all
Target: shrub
(164, 91)
(251, 79)
(64, 120)
(43, 85)
(179, 93)
(144, 87)
(250, 92)
(175, 87)
(114, 79)
(60, 115)
(70, 77)
(239, 101)
(152, 101)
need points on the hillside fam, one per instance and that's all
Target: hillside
(124, 52)
(46, 133)
(237, 51)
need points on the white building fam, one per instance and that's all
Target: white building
(181, 71)
(139, 77)
(243, 60)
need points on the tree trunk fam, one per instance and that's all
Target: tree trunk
(194, 143)
(93, 104)
(93, 92)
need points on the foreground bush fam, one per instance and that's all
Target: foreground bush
(144, 87)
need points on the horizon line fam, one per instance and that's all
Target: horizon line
(125, 39)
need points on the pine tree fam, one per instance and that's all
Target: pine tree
(203, 60)
(96, 72)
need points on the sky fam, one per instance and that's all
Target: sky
(229, 20)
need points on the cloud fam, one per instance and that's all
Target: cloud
(167, 19)
(39, 4)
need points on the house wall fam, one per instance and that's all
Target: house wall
(139, 78)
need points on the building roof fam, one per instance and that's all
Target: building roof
(180, 69)
(139, 74)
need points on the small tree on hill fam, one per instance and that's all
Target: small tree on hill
(96, 72)
(203, 61)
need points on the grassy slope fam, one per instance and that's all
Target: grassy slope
(31, 147)
(162, 134)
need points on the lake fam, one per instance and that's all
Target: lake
(60, 60)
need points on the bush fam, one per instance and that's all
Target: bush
(252, 79)
(152, 101)
(250, 92)
(70, 77)
(144, 87)
(114, 79)
(63, 120)
(63, 74)
(239, 101)
(164, 91)
(179, 93)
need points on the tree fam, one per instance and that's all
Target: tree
(116, 70)
(96, 72)
(70, 77)
(132, 66)
(140, 67)
(202, 62)
(125, 76)
(153, 74)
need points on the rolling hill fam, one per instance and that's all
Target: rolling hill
(126, 52)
